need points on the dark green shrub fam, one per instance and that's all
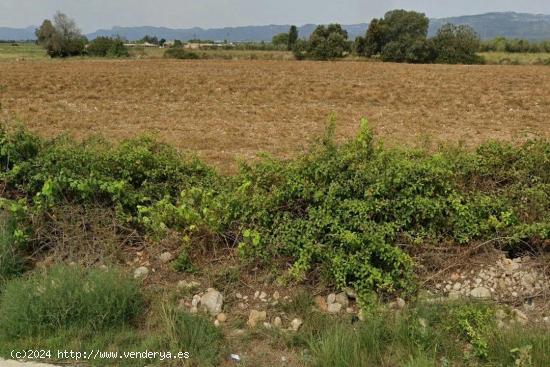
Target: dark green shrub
(326, 42)
(68, 297)
(181, 54)
(457, 45)
(106, 46)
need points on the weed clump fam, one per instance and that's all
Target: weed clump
(66, 297)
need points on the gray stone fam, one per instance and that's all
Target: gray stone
(166, 257)
(334, 308)
(255, 317)
(212, 301)
(331, 298)
(296, 324)
(480, 292)
(277, 322)
(141, 272)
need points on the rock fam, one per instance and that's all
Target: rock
(480, 292)
(263, 296)
(350, 310)
(141, 272)
(334, 308)
(455, 276)
(242, 305)
(276, 295)
(457, 286)
(196, 300)
(255, 317)
(295, 324)
(216, 323)
(238, 295)
(221, 317)
(350, 293)
(331, 298)
(546, 319)
(321, 303)
(267, 325)
(509, 265)
(184, 284)
(277, 322)
(212, 301)
(235, 357)
(256, 294)
(342, 299)
(166, 257)
(193, 309)
(400, 303)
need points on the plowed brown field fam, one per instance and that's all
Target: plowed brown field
(228, 109)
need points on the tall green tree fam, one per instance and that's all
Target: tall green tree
(328, 42)
(457, 44)
(393, 36)
(292, 37)
(61, 37)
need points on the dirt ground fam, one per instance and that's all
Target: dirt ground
(224, 110)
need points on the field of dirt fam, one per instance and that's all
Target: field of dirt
(224, 110)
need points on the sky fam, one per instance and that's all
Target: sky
(91, 15)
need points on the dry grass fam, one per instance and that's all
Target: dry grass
(228, 109)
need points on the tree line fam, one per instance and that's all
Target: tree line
(401, 36)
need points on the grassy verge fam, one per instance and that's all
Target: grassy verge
(340, 209)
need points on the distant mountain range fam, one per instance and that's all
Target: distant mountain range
(490, 25)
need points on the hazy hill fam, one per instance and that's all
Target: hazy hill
(490, 25)
(510, 25)
(7, 33)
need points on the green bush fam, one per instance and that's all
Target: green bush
(68, 297)
(326, 42)
(457, 45)
(181, 54)
(106, 46)
(136, 172)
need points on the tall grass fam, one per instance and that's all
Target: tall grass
(66, 297)
(429, 335)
